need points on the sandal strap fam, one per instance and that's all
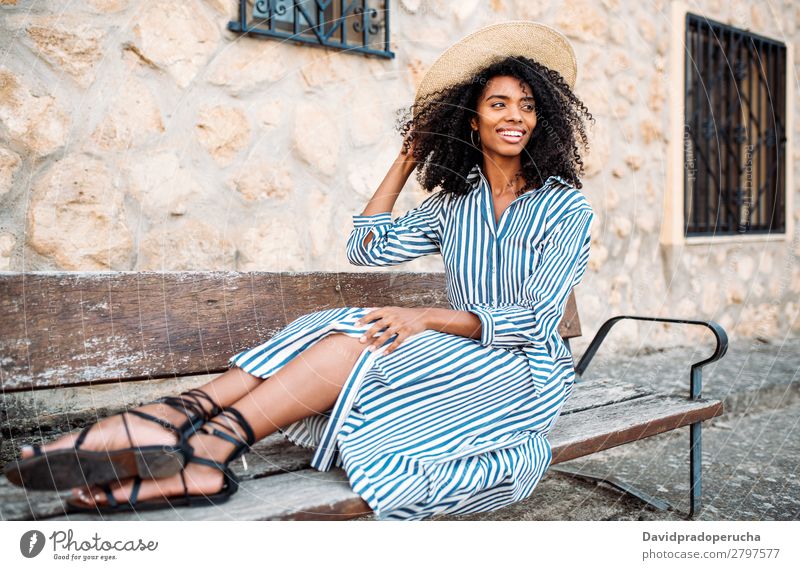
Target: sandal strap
(127, 429)
(190, 408)
(160, 421)
(113, 502)
(110, 495)
(245, 425)
(224, 435)
(230, 482)
(234, 417)
(85, 431)
(209, 462)
(185, 486)
(137, 485)
(164, 423)
(189, 403)
(78, 440)
(233, 480)
(198, 393)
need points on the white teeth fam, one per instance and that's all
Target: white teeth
(511, 133)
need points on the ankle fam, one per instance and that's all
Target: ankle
(210, 445)
(230, 425)
(204, 400)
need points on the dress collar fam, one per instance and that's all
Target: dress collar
(474, 177)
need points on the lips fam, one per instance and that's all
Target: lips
(510, 138)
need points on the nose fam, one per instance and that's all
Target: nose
(513, 114)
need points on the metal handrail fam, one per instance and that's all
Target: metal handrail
(695, 375)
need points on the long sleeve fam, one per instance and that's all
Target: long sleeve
(536, 315)
(414, 234)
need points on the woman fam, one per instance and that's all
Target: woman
(428, 410)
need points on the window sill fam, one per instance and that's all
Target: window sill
(741, 238)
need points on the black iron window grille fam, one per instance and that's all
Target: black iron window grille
(359, 26)
(734, 140)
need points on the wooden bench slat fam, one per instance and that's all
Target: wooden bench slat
(587, 394)
(302, 495)
(66, 328)
(589, 431)
(17, 504)
(272, 455)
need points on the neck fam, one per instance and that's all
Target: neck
(503, 174)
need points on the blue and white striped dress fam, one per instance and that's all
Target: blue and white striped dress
(445, 423)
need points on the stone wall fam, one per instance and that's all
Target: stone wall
(143, 135)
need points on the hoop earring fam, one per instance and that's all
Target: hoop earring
(472, 139)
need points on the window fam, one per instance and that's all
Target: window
(734, 144)
(356, 26)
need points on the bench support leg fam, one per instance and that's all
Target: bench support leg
(695, 478)
(695, 472)
(626, 488)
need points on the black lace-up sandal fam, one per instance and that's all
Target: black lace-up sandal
(229, 486)
(76, 467)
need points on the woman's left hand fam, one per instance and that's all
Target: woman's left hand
(401, 321)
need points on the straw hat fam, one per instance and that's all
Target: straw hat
(533, 40)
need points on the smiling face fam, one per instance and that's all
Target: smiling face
(506, 116)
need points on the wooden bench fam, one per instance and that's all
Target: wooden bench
(66, 330)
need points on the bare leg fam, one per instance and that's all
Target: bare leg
(308, 384)
(109, 433)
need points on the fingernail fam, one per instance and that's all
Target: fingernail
(363, 339)
(371, 348)
(98, 496)
(26, 448)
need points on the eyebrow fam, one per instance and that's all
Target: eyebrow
(507, 97)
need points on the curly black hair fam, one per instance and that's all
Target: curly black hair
(439, 127)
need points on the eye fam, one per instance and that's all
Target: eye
(528, 105)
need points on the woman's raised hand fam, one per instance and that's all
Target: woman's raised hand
(406, 157)
(401, 321)
(386, 195)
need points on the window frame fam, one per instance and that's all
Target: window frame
(325, 33)
(673, 228)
